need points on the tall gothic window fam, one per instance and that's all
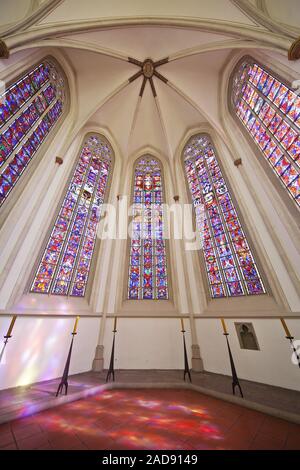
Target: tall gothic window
(66, 261)
(148, 278)
(230, 265)
(270, 112)
(29, 109)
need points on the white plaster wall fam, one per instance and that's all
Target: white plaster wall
(271, 364)
(39, 347)
(146, 343)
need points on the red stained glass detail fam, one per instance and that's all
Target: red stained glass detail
(224, 240)
(148, 275)
(71, 244)
(269, 110)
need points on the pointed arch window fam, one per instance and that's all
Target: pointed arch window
(270, 112)
(66, 261)
(29, 109)
(230, 264)
(148, 277)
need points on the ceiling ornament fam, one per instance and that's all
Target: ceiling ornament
(4, 52)
(294, 51)
(148, 70)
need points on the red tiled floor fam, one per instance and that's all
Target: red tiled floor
(293, 438)
(275, 427)
(4, 428)
(26, 431)
(45, 447)
(95, 440)
(32, 442)
(249, 423)
(6, 438)
(267, 442)
(64, 442)
(11, 446)
(150, 419)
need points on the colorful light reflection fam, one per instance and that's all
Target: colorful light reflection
(135, 419)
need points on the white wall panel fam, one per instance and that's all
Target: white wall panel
(39, 346)
(271, 364)
(146, 343)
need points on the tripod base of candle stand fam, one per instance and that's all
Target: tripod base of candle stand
(6, 338)
(111, 370)
(64, 379)
(186, 362)
(235, 380)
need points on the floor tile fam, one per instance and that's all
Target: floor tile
(26, 431)
(267, 442)
(293, 440)
(11, 446)
(33, 442)
(275, 427)
(150, 419)
(6, 438)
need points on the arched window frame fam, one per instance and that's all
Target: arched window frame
(252, 248)
(92, 268)
(32, 164)
(167, 252)
(280, 191)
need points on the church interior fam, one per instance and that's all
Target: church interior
(149, 225)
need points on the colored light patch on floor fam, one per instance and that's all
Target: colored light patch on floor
(149, 419)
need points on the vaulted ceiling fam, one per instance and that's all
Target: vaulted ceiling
(98, 37)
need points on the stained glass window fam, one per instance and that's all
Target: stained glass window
(66, 261)
(270, 112)
(29, 108)
(148, 278)
(230, 265)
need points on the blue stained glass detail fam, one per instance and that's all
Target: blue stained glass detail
(70, 247)
(230, 266)
(148, 277)
(28, 111)
(274, 122)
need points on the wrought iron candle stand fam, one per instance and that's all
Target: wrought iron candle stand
(7, 336)
(235, 380)
(111, 370)
(186, 361)
(65, 376)
(290, 338)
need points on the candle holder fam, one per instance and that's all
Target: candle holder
(291, 338)
(111, 370)
(8, 335)
(235, 380)
(65, 376)
(6, 338)
(186, 361)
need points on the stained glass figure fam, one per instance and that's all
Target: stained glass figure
(66, 261)
(29, 109)
(230, 265)
(270, 111)
(148, 276)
